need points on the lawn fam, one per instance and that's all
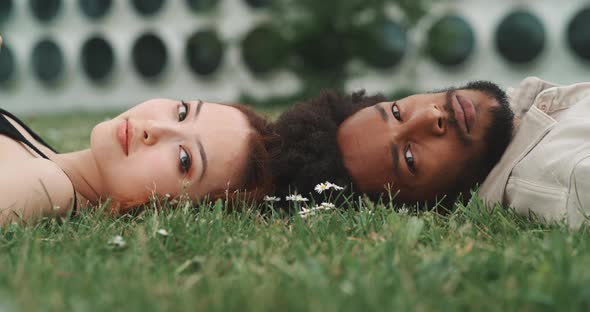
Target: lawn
(370, 258)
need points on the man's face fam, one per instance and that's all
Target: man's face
(418, 145)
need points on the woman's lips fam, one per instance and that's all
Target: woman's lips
(123, 136)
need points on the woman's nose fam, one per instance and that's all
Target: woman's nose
(155, 131)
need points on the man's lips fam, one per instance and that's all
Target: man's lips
(464, 113)
(123, 135)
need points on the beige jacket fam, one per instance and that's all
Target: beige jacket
(546, 168)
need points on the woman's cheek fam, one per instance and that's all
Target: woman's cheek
(159, 168)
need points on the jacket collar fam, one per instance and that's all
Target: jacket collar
(533, 126)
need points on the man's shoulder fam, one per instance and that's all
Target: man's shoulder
(524, 95)
(549, 97)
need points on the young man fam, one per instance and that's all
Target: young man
(421, 148)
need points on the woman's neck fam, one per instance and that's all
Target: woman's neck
(81, 168)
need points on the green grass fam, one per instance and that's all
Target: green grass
(373, 259)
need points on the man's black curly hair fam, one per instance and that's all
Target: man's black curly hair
(309, 148)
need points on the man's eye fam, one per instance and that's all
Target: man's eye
(395, 111)
(409, 157)
(185, 160)
(182, 111)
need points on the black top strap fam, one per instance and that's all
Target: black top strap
(6, 128)
(9, 130)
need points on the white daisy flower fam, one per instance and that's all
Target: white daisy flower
(334, 186)
(327, 206)
(271, 199)
(321, 188)
(163, 232)
(117, 242)
(296, 198)
(403, 211)
(312, 211)
(305, 215)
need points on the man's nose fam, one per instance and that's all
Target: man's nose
(155, 131)
(429, 121)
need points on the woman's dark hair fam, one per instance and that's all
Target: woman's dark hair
(309, 152)
(257, 179)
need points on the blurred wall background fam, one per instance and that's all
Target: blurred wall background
(62, 55)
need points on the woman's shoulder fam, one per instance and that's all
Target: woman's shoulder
(32, 188)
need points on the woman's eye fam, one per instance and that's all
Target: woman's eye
(395, 111)
(182, 111)
(409, 157)
(185, 160)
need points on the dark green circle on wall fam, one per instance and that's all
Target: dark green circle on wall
(383, 44)
(148, 7)
(264, 49)
(578, 34)
(202, 5)
(5, 10)
(7, 65)
(98, 58)
(149, 55)
(322, 51)
(45, 10)
(204, 52)
(95, 9)
(257, 4)
(520, 37)
(48, 61)
(451, 40)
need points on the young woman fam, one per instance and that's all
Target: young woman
(158, 147)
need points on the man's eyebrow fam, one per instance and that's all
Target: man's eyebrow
(381, 112)
(395, 159)
(203, 160)
(198, 109)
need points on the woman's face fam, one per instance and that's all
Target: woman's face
(164, 146)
